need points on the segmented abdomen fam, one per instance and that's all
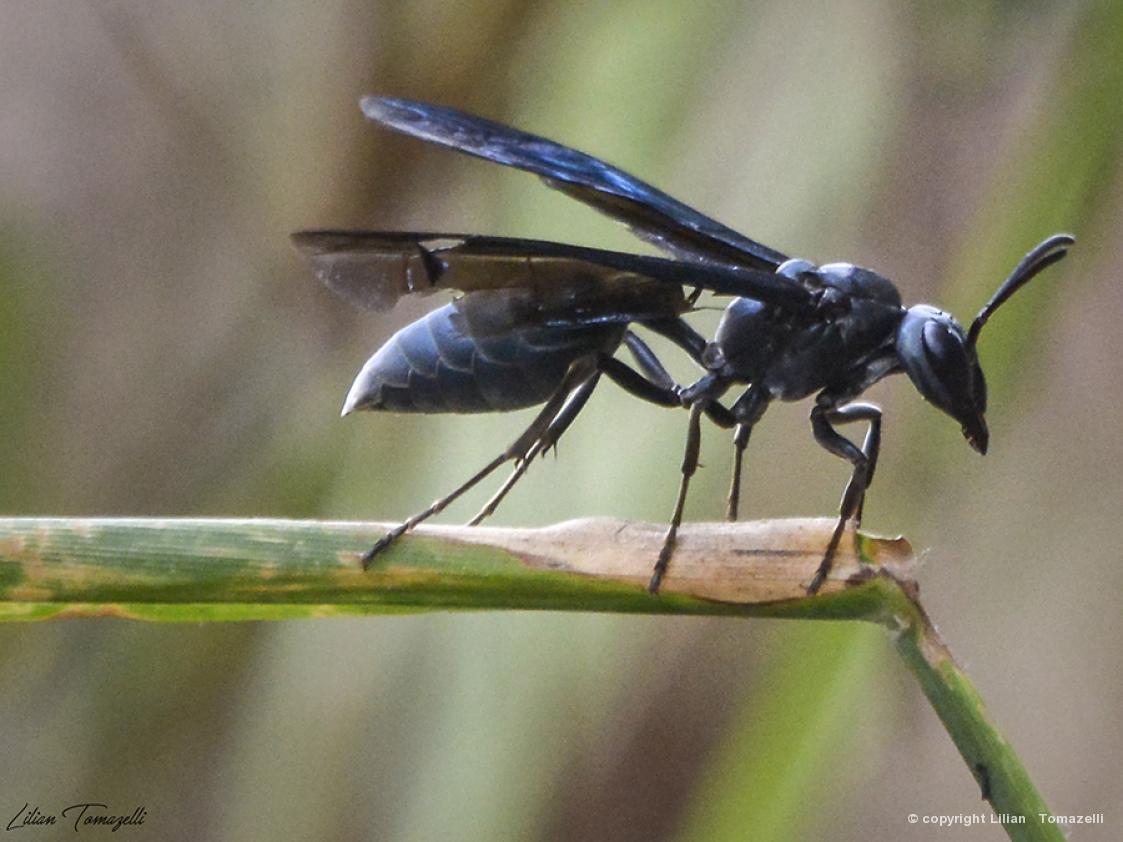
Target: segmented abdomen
(453, 361)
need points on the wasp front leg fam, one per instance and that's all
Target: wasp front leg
(864, 460)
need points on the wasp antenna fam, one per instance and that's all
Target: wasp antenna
(1043, 255)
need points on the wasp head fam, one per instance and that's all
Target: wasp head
(939, 355)
(933, 348)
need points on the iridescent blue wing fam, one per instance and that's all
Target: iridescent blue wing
(651, 214)
(554, 283)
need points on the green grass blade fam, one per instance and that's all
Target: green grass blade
(207, 569)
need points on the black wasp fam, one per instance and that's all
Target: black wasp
(540, 322)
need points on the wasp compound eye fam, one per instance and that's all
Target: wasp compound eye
(947, 359)
(931, 347)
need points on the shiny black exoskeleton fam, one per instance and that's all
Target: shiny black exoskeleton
(440, 364)
(540, 322)
(857, 310)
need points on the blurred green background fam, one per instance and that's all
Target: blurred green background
(164, 352)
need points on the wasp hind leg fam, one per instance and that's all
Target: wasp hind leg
(578, 375)
(654, 385)
(573, 405)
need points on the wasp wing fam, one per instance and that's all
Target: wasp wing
(553, 283)
(650, 213)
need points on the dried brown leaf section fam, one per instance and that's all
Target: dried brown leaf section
(747, 562)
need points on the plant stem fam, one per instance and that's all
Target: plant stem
(207, 569)
(1002, 779)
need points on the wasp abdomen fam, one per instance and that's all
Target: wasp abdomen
(439, 363)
